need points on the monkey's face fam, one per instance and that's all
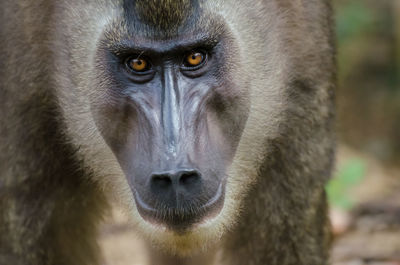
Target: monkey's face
(176, 116)
(173, 118)
(172, 112)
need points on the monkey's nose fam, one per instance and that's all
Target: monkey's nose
(179, 198)
(176, 186)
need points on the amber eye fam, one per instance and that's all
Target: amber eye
(138, 64)
(194, 59)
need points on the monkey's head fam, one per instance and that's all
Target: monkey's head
(171, 104)
(171, 112)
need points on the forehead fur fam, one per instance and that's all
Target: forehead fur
(164, 14)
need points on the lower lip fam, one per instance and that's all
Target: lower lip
(212, 209)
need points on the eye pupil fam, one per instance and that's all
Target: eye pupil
(194, 59)
(138, 65)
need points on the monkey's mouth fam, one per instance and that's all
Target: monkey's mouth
(182, 217)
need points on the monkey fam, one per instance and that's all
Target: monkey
(211, 123)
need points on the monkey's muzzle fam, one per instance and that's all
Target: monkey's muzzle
(179, 199)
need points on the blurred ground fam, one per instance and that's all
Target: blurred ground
(369, 232)
(366, 232)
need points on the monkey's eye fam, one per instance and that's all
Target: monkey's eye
(138, 65)
(194, 59)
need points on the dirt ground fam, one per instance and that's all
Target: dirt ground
(368, 234)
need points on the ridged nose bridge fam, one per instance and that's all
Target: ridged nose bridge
(171, 116)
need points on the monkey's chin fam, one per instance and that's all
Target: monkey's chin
(180, 220)
(198, 238)
(188, 238)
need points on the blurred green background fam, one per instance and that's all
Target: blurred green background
(364, 193)
(368, 34)
(368, 95)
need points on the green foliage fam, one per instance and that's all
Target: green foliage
(348, 176)
(353, 19)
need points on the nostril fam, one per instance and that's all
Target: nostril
(168, 181)
(161, 181)
(189, 177)
(174, 188)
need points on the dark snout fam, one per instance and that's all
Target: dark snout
(175, 188)
(180, 194)
(179, 198)
(172, 146)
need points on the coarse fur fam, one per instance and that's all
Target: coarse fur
(58, 173)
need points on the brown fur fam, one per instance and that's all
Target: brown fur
(57, 175)
(164, 13)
